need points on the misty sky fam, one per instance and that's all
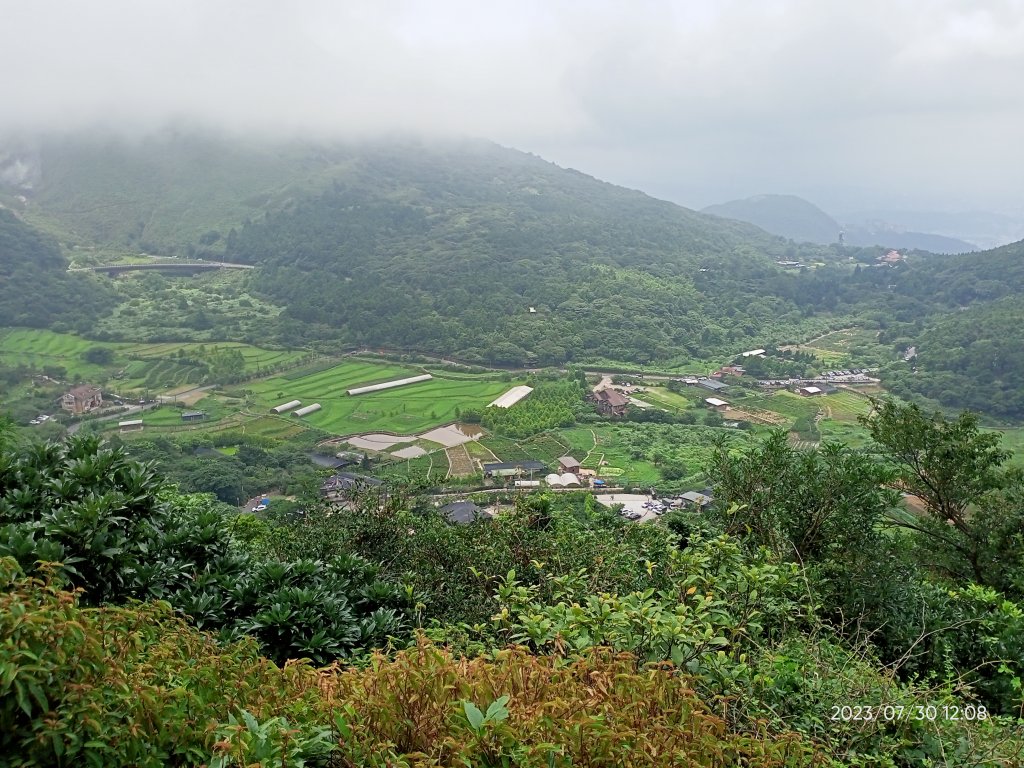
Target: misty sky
(849, 103)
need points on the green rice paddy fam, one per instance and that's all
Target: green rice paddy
(403, 410)
(144, 366)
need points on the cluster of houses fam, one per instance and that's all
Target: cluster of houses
(822, 384)
(569, 475)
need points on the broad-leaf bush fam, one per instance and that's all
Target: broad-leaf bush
(119, 686)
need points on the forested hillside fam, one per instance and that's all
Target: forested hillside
(467, 249)
(35, 288)
(447, 250)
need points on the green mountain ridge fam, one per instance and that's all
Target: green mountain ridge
(786, 215)
(793, 217)
(447, 249)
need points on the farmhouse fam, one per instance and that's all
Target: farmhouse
(714, 386)
(132, 425)
(716, 404)
(463, 512)
(337, 487)
(611, 402)
(304, 411)
(568, 464)
(695, 499)
(809, 391)
(285, 407)
(513, 468)
(754, 353)
(82, 399)
(191, 416)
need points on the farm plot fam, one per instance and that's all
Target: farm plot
(39, 349)
(787, 404)
(460, 463)
(404, 410)
(841, 341)
(845, 406)
(257, 359)
(545, 447)
(672, 401)
(145, 366)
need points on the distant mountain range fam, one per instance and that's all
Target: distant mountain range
(800, 220)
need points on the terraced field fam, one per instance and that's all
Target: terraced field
(145, 366)
(257, 359)
(39, 349)
(403, 410)
(545, 447)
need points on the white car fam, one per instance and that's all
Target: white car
(34, 421)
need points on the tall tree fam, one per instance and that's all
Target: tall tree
(807, 505)
(953, 467)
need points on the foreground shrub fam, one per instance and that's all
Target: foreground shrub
(126, 686)
(428, 708)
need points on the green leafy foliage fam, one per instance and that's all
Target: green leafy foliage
(807, 505)
(550, 405)
(130, 686)
(951, 466)
(35, 288)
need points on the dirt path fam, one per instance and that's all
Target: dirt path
(593, 435)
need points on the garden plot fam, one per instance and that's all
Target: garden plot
(451, 435)
(379, 442)
(410, 452)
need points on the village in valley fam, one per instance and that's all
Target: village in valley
(638, 440)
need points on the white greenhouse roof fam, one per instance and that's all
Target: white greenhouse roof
(511, 397)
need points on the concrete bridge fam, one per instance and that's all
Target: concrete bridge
(183, 267)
